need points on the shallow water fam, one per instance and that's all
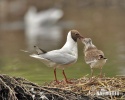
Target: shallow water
(105, 27)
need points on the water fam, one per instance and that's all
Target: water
(105, 27)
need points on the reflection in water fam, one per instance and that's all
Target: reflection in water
(103, 21)
(42, 29)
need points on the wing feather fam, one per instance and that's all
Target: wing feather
(60, 58)
(57, 57)
(93, 55)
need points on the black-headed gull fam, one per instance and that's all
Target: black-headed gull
(63, 57)
(94, 57)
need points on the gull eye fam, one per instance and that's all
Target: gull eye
(76, 34)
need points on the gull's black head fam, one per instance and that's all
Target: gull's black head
(75, 35)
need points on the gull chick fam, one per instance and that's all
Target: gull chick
(94, 57)
(63, 57)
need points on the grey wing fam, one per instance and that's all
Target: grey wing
(59, 58)
(93, 56)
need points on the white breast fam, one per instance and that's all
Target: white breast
(98, 63)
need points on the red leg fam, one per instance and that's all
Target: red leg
(55, 76)
(66, 78)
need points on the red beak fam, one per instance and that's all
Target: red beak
(81, 37)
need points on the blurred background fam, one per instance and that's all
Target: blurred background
(45, 23)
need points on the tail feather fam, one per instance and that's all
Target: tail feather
(39, 50)
(45, 61)
(35, 56)
(25, 51)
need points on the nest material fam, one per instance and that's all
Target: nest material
(97, 88)
(13, 88)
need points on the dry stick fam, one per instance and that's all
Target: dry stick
(106, 86)
(56, 92)
(53, 92)
(42, 89)
(30, 83)
(20, 85)
(62, 90)
(83, 82)
(26, 81)
(110, 92)
(113, 81)
(11, 92)
(17, 84)
(101, 83)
